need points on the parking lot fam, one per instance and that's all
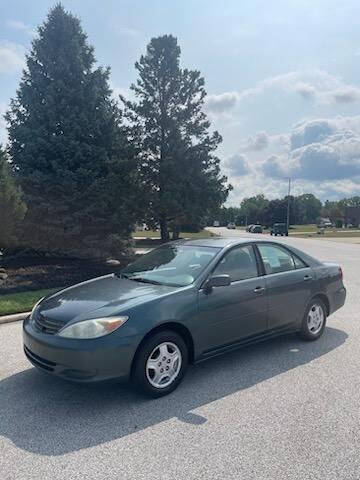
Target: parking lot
(284, 409)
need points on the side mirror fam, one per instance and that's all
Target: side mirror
(218, 281)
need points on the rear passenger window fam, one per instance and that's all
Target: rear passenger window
(276, 259)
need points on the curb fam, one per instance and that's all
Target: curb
(14, 318)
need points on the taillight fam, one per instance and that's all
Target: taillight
(341, 275)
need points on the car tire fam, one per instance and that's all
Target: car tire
(151, 362)
(314, 320)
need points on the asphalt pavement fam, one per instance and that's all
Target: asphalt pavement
(284, 409)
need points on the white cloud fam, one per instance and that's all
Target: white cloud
(322, 156)
(315, 85)
(12, 57)
(346, 94)
(321, 150)
(221, 103)
(257, 142)
(21, 26)
(236, 165)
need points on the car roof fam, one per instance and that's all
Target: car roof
(220, 242)
(227, 242)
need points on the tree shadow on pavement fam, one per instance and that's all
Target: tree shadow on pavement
(47, 416)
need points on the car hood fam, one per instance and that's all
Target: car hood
(103, 296)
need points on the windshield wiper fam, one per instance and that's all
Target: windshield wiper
(137, 279)
(144, 280)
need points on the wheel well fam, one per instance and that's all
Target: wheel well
(175, 327)
(325, 299)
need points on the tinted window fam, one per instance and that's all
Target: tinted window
(239, 263)
(276, 259)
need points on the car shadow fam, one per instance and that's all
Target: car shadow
(48, 416)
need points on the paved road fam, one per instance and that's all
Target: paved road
(280, 410)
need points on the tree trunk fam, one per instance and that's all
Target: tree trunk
(164, 230)
(176, 232)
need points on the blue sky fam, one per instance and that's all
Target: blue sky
(282, 78)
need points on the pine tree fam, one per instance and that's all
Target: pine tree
(68, 148)
(179, 171)
(12, 207)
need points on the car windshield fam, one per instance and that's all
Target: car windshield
(176, 265)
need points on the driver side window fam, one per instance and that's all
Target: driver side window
(239, 264)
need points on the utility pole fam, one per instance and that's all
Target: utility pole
(288, 207)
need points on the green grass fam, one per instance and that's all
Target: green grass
(302, 228)
(329, 234)
(151, 233)
(21, 302)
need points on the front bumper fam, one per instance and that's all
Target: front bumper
(94, 360)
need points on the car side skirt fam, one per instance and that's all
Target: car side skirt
(223, 349)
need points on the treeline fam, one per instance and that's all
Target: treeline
(82, 168)
(304, 209)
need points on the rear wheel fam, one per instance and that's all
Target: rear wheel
(314, 320)
(160, 364)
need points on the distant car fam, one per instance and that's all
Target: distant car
(181, 303)
(231, 226)
(325, 225)
(256, 229)
(279, 229)
(249, 227)
(216, 223)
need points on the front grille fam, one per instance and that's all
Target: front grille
(47, 325)
(47, 365)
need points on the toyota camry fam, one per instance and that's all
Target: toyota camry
(182, 303)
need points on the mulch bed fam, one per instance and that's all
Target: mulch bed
(37, 273)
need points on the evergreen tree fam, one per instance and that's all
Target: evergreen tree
(12, 207)
(68, 148)
(180, 174)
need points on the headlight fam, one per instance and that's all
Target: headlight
(97, 327)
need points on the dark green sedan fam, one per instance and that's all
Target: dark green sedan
(182, 303)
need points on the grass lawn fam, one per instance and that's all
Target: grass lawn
(150, 233)
(21, 302)
(302, 228)
(330, 234)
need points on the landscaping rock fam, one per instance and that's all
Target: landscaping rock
(3, 276)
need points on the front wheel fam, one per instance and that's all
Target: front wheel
(160, 364)
(314, 320)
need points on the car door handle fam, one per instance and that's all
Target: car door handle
(259, 289)
(307, 278)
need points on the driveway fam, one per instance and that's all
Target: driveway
(284, 409)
